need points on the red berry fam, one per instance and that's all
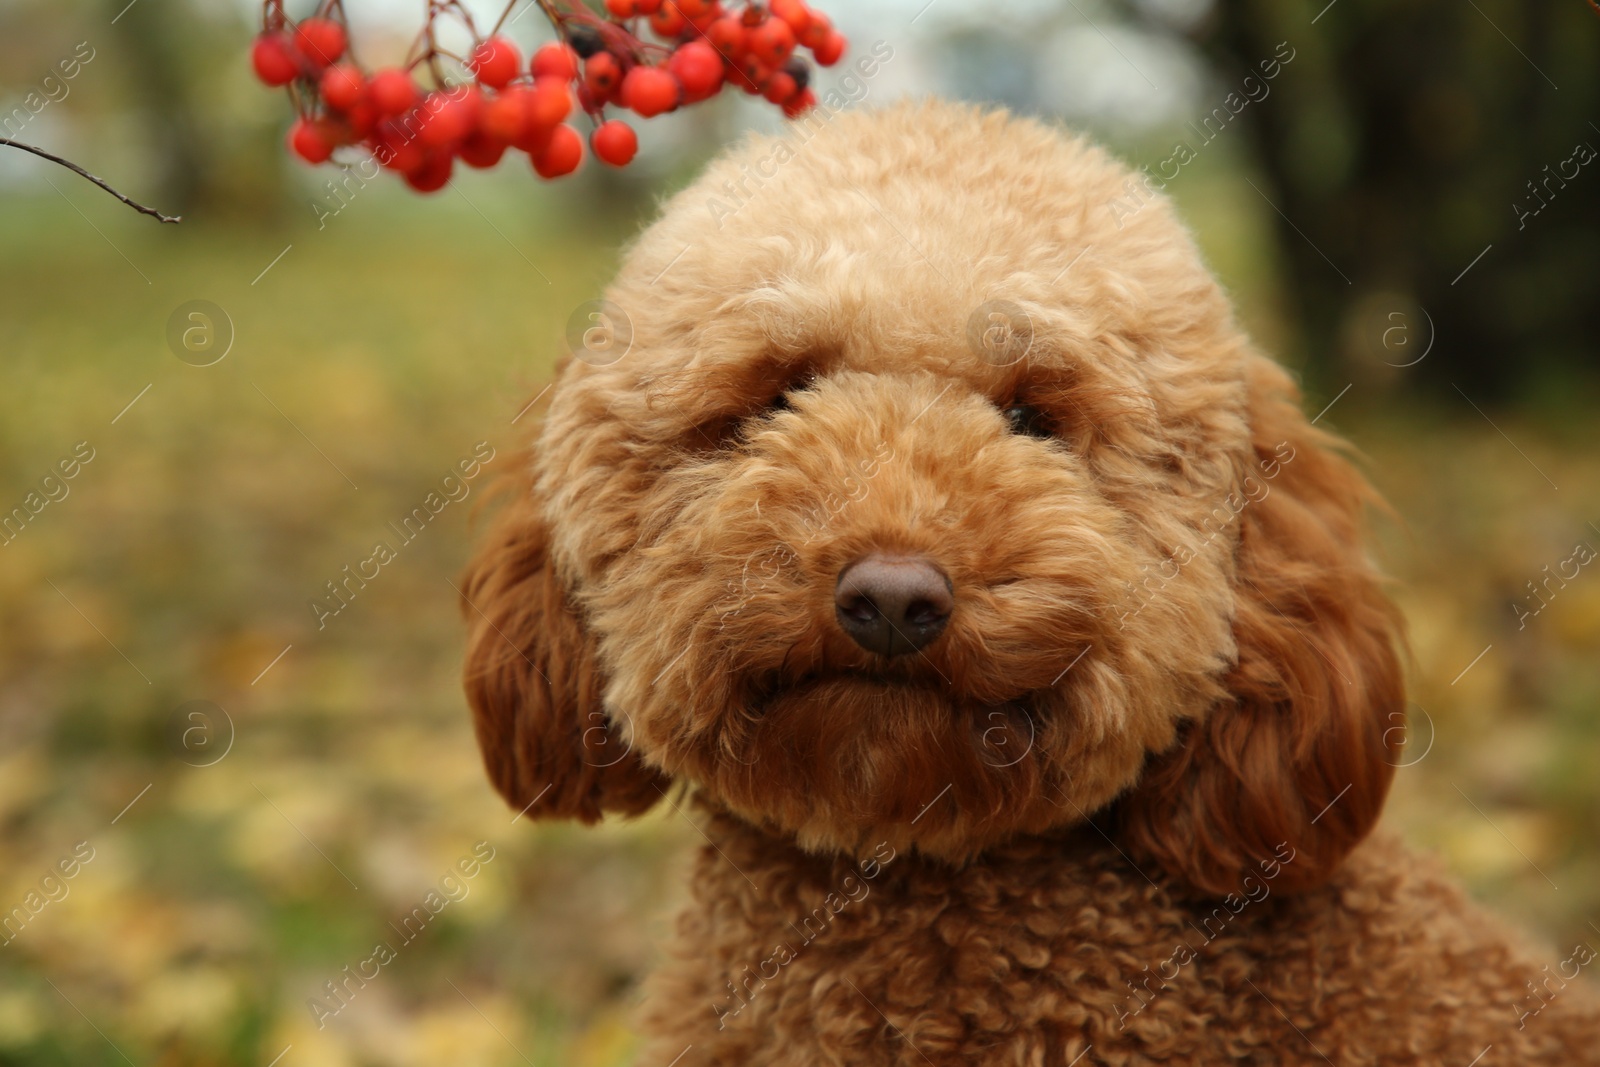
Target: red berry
(510, 116)
(361, 119)
(693, 9)
(550, 102)
(534, 139)
(274, 59)
(535, 136)
(432, 175)
(397, 149)
(698, 69)
(342, 87)
(447, 119)
(646, 7)
(621, 9)
(481, 150)
(780, 87)
(555, 60)
(495, 62)
(561, 154)
(794, 12)
(668, 22)
(771, 42)
(321, 41)
(800, 103)
(393, 92)
(828, 52)
(602, 74)
(751, 74)
(312, 140)
(505, 115)
(726, 35)
(816, 31)
(615, 143)
(649, 91)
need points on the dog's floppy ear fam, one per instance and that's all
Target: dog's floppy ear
(1299, 761)
(533, 683)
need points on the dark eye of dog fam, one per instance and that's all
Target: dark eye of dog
(1027, 419)
(780, 402)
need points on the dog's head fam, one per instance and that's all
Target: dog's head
(938, 499)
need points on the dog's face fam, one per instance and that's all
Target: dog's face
(938, 499)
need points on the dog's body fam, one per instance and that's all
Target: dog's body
(1051, 949)
(945, 537)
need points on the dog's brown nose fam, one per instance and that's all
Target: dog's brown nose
(892, 605)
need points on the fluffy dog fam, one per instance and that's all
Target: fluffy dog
(942, 536)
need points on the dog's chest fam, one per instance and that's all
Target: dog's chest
(1023, 958)
(1054, 950)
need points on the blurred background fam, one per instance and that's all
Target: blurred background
(1407, 211)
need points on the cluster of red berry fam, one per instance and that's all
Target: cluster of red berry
(420, 132)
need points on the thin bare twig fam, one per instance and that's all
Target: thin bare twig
(42, 154)
(466, 16)
(501, 21)
(553, 15)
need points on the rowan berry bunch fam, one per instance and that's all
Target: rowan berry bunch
(418, 118)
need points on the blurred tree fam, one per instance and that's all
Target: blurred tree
(176, 57)
(158, 44)
(1424, 161)
(1412, 138)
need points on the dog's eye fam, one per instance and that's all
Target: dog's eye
(1027, 419)
(757, 417)
(780, 402)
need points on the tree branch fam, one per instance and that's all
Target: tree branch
(41, 153)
